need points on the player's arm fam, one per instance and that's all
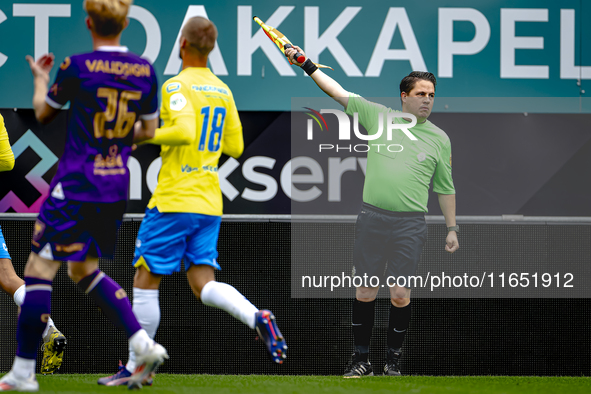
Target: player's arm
(145, 129)
(443, 185)
(40, 69)
(6, 154)
(232, 139)
(181, 132)
(182, 127)
(447, 202)
(149, 119)
(324, 82)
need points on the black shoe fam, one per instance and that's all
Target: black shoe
(357, 368)
(392, 366)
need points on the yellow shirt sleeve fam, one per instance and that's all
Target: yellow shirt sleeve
(181, 128)
(232, 140)
(6, 155)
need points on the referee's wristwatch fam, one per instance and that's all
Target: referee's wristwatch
(454, 228)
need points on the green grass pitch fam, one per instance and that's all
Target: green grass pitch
(221, 384)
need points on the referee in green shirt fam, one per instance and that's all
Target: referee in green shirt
(390, 231)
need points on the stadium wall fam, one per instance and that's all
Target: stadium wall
(474, 336)
(503, 163)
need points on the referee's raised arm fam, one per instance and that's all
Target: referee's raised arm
(324, 82)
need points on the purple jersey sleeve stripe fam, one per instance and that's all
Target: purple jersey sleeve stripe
(52, 103)
(150, 116)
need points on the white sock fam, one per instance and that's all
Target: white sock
(130, 366)
(139, 341)
(50, 324)
(226, 297)
(23, 367)
(19, 296)
(146, 308)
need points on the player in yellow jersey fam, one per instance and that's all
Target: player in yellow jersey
(183, 217)
(6, 155)
(53, 340)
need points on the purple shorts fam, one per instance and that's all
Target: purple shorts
(68, 230)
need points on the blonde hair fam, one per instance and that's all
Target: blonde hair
(201, 34)
(108, 16)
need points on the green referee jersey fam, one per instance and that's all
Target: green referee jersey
(399, 181)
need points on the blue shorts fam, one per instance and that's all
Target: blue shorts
(68, 230)
(166, 238)
(3, 248)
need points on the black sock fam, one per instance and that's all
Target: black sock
(362, 324)
(399, 319)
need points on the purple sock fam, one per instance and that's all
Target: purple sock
(112, 299)
(33, 317)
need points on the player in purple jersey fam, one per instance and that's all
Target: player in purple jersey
(109, 89)
(53, 340)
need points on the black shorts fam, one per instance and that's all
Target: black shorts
(68, 230)
(388, 243)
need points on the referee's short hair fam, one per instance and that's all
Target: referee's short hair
(408, 83)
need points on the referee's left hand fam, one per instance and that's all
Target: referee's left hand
(451, 242)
